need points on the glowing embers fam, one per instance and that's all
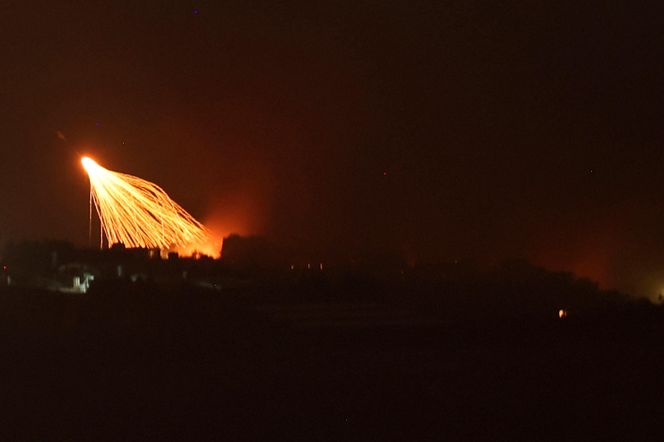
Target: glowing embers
(562, 313)
(138, 213)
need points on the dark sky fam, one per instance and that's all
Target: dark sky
(437, 130)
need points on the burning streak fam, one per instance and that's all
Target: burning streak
(138, 213)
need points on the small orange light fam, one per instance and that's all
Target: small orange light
(562, 313)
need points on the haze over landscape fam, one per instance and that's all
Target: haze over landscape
(436, 131)
(440, 220)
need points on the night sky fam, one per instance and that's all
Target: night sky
(434, 130)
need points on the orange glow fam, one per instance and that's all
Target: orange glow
(562, 313)
(138, 213)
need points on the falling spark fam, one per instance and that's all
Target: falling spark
(138, 213)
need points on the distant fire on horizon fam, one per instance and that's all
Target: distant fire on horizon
(138, 213)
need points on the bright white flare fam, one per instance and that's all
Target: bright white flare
(88, 163)
(138, 213)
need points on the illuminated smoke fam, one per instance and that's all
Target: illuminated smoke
(138, 213)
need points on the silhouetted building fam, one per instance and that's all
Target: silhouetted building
(251, 251)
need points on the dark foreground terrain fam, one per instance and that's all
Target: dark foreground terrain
(140, 363)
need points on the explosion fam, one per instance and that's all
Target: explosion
(138, 213)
